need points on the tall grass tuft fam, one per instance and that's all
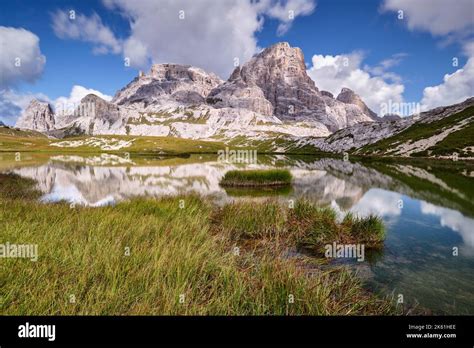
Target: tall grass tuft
(313, 226)
(369, 230)
(243, 220)
(272, 177)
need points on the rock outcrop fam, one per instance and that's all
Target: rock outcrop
(348, 96)
(166, 83)
(390, 118)
(37, 116)
(327, 94)
(99, 109)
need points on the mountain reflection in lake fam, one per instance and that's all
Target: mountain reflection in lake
(428, 211)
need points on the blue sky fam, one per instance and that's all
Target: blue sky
(416, 52)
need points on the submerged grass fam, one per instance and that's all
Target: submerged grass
(271, 177)
(162, 257)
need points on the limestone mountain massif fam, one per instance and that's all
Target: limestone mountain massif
(270, 96)
(268, 99)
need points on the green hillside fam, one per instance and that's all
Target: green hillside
(457, 141)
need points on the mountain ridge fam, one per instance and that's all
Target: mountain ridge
(272, 90)
(268, 99)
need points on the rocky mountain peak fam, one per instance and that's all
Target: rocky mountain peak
(285, 51)
(275, 82)
(172, 72)
(279, 63)
(96, 107)
(37, 116)
(348, 96)
(168, 83)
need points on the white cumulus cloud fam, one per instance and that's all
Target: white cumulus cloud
(332, 73)
(454, 220)
(456, 87)
(287, 11)
(378, 202)
(453, 21)
(439, 17)
(213, 35)
(21, 58)
(88, 29)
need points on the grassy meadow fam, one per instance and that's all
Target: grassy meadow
(14, 140)
(179, 256)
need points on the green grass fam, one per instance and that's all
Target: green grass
(455, 142)
(240, 220)
(20, 133)
(368, 230)
(420, 131)
(175, 251)
(252, 178)
(303, 226)
(313, 227)
(22, 141)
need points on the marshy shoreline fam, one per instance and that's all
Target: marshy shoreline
(181, 256)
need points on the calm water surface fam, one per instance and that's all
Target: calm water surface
(417, 261)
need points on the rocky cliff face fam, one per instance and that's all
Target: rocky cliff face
(348, 96)
(37, 116)
(166, 83)
(275, 82)
(279, 73)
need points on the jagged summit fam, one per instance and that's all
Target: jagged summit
(95, 107)
(168, 83)
(37, 116)
(348, 96)
(275, 82)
